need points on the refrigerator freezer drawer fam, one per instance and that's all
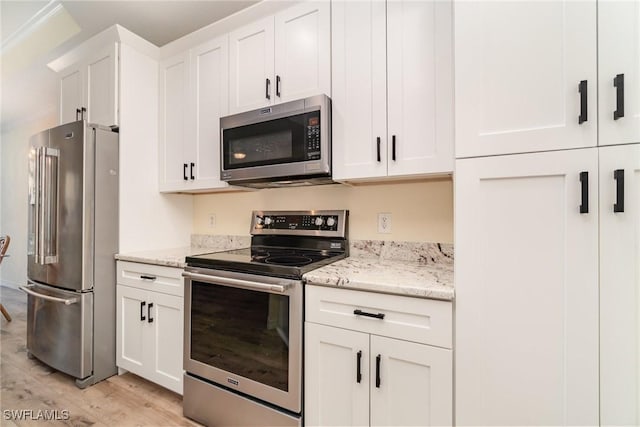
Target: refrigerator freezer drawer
(59, 329)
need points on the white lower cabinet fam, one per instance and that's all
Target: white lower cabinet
(150, 323)
(358, 378)
(620, 285)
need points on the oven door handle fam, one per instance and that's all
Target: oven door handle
(236, 283)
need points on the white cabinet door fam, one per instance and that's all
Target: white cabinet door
(251, 56)
(527, 290)
(359, 113)
(102, 89)
(420, 87)
(209, 96)
(303, 51)
(619, 72)
(174, 149)
(132, 342)
(620, 285)
(518, 70)
(415, 385)
(333, 394)
(71, 93)
(166, 327)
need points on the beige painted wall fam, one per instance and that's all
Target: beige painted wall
(421, 211)
(13, 203)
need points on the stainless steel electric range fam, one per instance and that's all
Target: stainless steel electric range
(244, 319)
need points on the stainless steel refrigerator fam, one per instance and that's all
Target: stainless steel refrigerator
(72, 240)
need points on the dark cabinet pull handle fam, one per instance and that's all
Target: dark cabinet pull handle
(618, 83)
(358, 367)
(82, 111)
(359, 312)
(142, 304)
(149, 312)
(184, 171)
(267, 89)
(144, 276)
(618, 175)
(582, 88)
(278, 86)
(191, 174)
(77, 114)
(393, 148)
(378, 143)
(584, 183)
(378, 357)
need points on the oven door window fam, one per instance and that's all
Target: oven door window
(240, 331)
(286, 140)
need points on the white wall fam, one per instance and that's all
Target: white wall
(148, 219)
(13, 197)
(421, 211)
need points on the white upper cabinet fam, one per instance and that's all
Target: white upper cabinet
(194, 94)
(71, 93)
(392, 100)
(175, 152)
(302, 51)
(251, 67)
(420, 87)
(359, 102)
(210, 97)
(89, 88)
(281, 58)
(619, 72)
(525, 76)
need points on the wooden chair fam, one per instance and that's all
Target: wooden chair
(4, 244)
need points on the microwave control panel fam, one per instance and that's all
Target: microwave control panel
(313, 137)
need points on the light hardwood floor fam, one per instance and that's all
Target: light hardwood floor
(27, 384)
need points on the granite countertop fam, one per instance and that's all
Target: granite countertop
(411, 274)
(175, 257)
(423, 270)
(172, 257)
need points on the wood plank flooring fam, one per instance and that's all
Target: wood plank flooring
(28, 384)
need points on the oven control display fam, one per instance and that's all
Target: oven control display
(298, 222)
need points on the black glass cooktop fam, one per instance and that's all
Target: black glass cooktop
(271, 261)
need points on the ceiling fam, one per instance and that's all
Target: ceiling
(34, 33)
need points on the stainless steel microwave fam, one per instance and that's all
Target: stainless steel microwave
(288, 144)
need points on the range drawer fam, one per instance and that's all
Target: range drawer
(412, 319)
(155, 278)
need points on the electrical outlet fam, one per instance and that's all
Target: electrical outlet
(212, 220)
(384, 223)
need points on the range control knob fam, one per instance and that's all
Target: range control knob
(319, 221)
(259, 220)
(267, 220)
(331, 221)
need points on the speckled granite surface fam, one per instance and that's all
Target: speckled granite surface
(416, 269)
(423, 270)
(174, 257)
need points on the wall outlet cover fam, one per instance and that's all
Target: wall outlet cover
(211, 220)
(384, 223)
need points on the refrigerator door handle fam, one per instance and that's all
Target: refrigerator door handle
(27, 289)
(38, 202)
(49, 163)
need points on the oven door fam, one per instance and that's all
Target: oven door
(244, 332)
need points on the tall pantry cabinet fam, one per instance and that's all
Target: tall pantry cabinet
(548, 226)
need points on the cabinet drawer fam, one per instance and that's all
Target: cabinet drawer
(155, 278)
(413, 319)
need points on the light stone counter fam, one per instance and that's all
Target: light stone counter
(423, 270)
(175, 257)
